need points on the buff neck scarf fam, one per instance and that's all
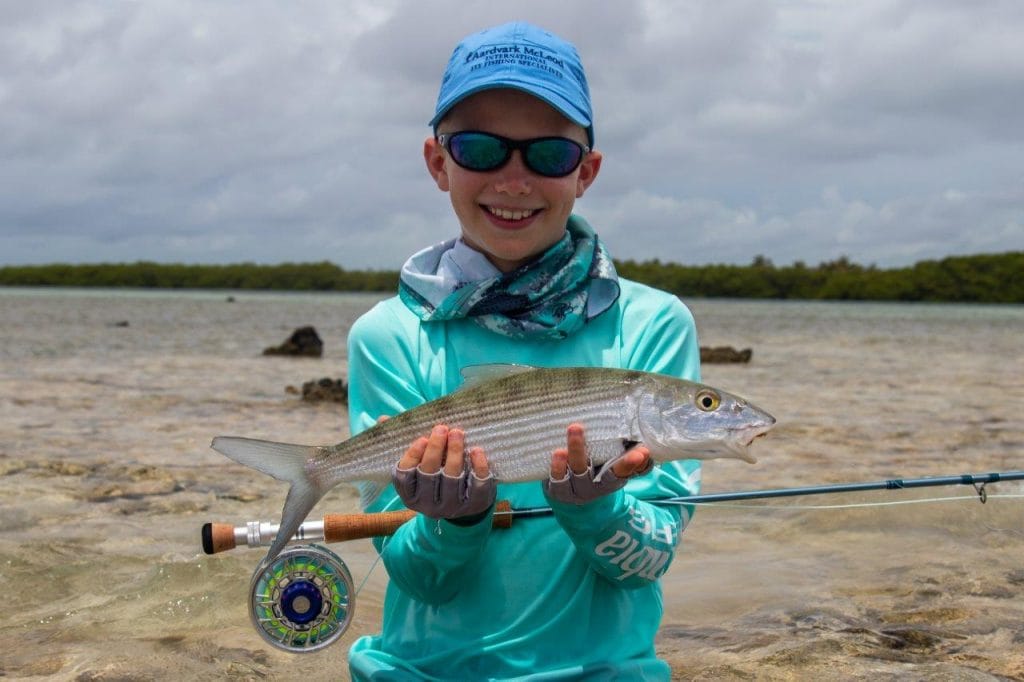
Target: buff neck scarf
(551, 297)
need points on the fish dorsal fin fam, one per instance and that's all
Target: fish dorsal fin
(474, 375)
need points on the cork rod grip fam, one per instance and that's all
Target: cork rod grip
(342, 527)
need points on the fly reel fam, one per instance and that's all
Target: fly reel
(303, 600)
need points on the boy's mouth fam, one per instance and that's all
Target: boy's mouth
(510, 214)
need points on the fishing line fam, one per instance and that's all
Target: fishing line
(367, 577)
(852, 505)
(544, 511)
(369, 571)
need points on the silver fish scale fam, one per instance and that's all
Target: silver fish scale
(518, 421)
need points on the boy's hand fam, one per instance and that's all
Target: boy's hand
(433, 478)
(573, 479)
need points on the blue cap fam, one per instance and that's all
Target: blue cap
(520, 56)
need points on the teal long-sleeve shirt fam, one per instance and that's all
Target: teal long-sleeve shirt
(574, 595)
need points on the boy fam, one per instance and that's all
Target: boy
(570, 596)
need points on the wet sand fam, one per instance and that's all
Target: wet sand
(107, 477)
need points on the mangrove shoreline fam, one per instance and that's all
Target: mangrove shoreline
(982, 278)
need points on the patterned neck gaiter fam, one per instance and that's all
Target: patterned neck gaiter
(551, 297)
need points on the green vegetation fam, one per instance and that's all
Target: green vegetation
(321, 276)
(986, 278)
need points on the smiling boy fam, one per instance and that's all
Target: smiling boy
(511, 213)
(570, 596)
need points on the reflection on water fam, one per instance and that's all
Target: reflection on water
(108, 401)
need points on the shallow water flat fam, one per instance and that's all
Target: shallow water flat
(108, 401)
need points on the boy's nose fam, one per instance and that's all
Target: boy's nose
(514, 177)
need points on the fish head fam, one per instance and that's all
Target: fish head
(693, 421)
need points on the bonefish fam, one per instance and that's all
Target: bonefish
(519, 416)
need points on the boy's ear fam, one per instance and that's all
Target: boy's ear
(589, 169)
(433, 155)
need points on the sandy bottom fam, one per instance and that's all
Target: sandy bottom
(107, 478)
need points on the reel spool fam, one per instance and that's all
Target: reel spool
(303, 600)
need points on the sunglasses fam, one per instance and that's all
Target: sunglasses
(552, 157)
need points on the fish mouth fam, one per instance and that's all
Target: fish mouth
(750, 435)
(758, 429)
(744, 438)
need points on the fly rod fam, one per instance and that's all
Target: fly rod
(304, 599)
(220, 537)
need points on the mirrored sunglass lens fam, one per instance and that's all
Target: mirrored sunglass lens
(481, 152)
(553, 157)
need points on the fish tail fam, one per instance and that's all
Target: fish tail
(284, 462)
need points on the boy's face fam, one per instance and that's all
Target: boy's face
(510, 214)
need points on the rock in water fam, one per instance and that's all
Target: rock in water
(723, 354)
(304, 342)
(334, 390)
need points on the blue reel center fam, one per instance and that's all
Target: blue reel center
(301, 602)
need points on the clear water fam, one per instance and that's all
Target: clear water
(106, 477)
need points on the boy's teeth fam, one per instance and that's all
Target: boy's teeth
(506, 214)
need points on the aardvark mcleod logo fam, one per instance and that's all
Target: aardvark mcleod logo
(519, 55)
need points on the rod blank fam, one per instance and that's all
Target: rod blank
(890, 484)
(221, 537)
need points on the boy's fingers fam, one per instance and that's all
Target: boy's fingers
(559, 464)
(577, 449)
(478, 460)
(433, 457)
(454, 453)
(414, 455)
(634, 461)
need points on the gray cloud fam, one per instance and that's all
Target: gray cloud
(220, 132)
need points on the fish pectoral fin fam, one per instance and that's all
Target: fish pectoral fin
(607, 466)
(369, 491)
(474, 375)
(608, 452)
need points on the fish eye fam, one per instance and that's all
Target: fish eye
(707, 400)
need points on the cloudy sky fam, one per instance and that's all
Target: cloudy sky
(886, 131)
